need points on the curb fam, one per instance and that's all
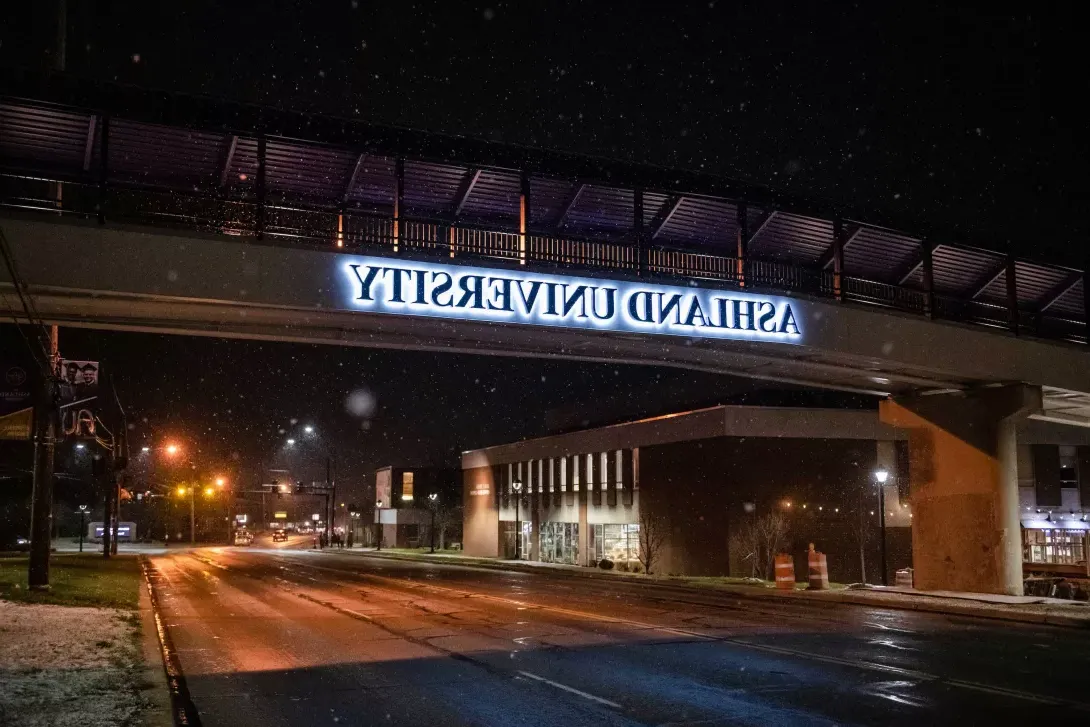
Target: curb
(835, 598)
(183, 713)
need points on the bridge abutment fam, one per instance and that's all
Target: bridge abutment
(964, 485)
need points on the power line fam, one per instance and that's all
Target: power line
(43, 353)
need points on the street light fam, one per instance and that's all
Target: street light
(291, 442)
(433, 499)
(517, 487)
(220, 482)
(173, 449)
(881, 475)
(308, 429)
(145, 450)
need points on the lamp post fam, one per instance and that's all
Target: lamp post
(378, 521)
(881, 475)
(82, 527)
(517, 487)
(433, 500)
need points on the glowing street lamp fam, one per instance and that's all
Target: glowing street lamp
(291, 442)
(308, 429)
(220, 482)
(173, 449)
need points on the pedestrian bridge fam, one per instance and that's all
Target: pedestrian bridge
(132, 210)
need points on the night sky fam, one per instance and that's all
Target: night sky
(961, 117)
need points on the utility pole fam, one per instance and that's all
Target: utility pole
(102, 468)
(45, 440)
(331, 500)
(45, 409)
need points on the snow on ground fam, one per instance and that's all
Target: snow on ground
(62, 665)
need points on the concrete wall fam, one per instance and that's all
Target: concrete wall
(700, 488)
(480, 520)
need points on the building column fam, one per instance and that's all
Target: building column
(963, 478)
(584, 527)
(535, 526)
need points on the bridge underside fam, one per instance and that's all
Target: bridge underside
(85, 275)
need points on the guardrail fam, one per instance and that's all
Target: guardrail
(353, 230)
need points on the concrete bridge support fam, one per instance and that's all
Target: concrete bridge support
(963, 475)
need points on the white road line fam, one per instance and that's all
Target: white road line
(573, 690)
(851, 663)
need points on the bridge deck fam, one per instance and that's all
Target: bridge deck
(126, 155)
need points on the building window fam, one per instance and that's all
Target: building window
(540, 476)
(618, 543)
(575, 460)
(552, 474)
(618, 468)
(563, 474)
(406, 485)
(1062, 547)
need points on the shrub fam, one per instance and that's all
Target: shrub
(605, 564)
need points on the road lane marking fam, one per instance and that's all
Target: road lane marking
(573, 690)
(850, 663)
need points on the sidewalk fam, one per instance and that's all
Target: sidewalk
(1026, 609)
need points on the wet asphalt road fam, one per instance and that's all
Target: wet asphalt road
(293, 637)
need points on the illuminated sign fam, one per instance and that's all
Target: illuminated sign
(280, 516)
(516, 296)
(479, 490)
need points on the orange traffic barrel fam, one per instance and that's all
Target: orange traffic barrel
(819, 571)
(785, 572)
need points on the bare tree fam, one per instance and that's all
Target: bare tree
(446, 519)
(652, 537)
(771, 535)
(746, 543)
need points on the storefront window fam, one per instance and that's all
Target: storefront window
(560, 543)
(619, 543)
(1063, 547)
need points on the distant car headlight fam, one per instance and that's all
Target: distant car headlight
(22, 541)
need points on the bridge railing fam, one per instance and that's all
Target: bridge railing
(355, 230)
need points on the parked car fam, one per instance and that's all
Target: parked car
(280, 535)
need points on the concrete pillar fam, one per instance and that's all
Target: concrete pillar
(584, 529)
(964, 486)
(480, 514)
(535, 525)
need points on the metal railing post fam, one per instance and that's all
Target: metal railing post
(742, 252)
(399, 199)
(1012, 294)
(524, 214)
(259, 225)
(103, 169)
(838, 258)
(927, 263)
